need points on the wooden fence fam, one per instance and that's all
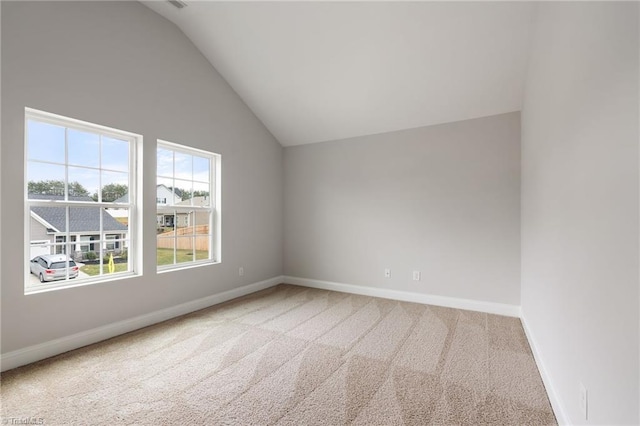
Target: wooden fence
(166, 239)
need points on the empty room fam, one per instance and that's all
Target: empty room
(298, 213)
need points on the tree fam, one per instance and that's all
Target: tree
(112, 192)
(56, 187)
(200, 194)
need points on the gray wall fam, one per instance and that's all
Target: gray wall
(444, 200)
(580, 206)
(39, 231)
(121, 65)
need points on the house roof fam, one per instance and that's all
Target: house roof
(178, 192)
(123, 199)
(81, 219)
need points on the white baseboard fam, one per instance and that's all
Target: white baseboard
(64, 344)
(556, 404)
(406, 296)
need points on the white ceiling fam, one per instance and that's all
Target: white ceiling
(318, 71)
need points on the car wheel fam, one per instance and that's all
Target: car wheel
(41, 278)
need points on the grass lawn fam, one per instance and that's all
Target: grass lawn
(164, 256)
(95, 269)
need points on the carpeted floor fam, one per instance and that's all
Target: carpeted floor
(294, 356)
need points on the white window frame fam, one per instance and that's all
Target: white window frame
(214, 208)
(134, 239)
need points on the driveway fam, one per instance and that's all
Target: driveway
(33, 280)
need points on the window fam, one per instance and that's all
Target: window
(80, 200)
(111, 243)
(187, 206)
(61, 248)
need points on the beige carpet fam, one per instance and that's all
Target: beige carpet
(294, 356)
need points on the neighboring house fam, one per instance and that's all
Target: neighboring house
(48, 225)
(163, 198)
(164, 195)
(201, 218)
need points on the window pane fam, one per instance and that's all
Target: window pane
(119, 215)
(115, 154)
(202, 248)
(114, 225)
(83, 184)
(110, 243)
(83, 148)
(45, 181)
(201, 194)
(201, 169)
(40, 248)
(164, 251)
(61, 246)
(115, 186)
(125, 254)
(166, 221)
(45, 142)
(45, 223)
(183, 221)
(165, 163)
(86, 222)
(202, 222)
(183, 166)
(89, 264)
(184, 249)
(164, 193)
(183, 191)
(113, 263)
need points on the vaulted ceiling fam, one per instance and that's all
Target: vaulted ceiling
(319, 71)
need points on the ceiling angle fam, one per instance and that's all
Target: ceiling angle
(178, 3)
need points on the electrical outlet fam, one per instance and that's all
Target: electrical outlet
(387, 273)
(241, 271)
(416, 275)
(584, 402)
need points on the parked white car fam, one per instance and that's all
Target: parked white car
(50, 267)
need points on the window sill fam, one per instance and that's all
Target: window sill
(63, 285)
(183, 266)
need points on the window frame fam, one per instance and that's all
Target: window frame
(133, 205)
(214, 209)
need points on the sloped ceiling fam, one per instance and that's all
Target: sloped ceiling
(319, 71)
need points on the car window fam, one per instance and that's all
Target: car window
(42, 263)
(62, 265)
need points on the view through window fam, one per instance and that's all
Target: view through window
(185, 206)
(78, 200)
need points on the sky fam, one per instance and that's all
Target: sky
(182, 170)
(93, 159)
